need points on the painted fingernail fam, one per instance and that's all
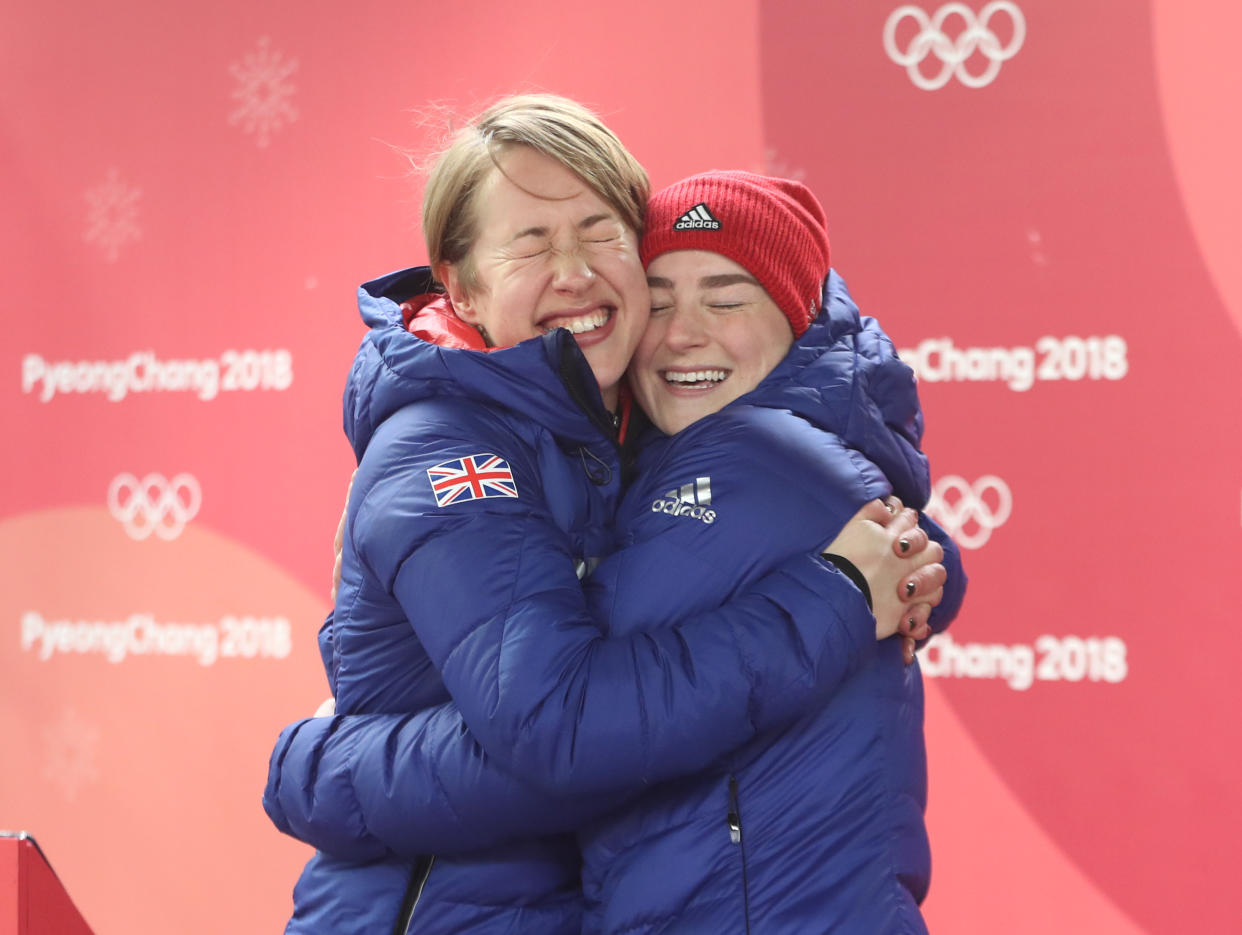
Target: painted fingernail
(909, 589)
(904, 544)
(910, 621)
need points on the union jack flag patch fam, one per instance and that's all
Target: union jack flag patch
(472, 478)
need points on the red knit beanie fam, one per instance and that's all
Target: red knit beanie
(775, 228)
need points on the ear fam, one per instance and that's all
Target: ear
(449, 274)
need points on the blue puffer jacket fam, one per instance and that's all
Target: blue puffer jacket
(818, 828)
(469, 592)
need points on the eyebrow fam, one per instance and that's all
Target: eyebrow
(707, 282)
(727, 279)
(582, 225)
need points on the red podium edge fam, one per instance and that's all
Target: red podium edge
(33, 901)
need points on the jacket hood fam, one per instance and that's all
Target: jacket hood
(545, 379)
(844, 376)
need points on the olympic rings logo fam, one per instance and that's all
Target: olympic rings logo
(981, 507)
(154, 504)
(953, 53)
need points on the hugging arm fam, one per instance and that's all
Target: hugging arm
(361, 786)
(364, 786)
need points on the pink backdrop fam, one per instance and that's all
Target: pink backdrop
(1038, 198)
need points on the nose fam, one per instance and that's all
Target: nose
(571, 271)
(685, 329)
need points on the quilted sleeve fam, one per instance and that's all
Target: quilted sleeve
(365, 786)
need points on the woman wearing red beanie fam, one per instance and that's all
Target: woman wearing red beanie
(770, 389)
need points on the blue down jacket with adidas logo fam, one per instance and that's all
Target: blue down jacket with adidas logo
(477, 600)
(819, 827)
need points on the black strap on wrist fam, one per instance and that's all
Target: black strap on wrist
(850, 570)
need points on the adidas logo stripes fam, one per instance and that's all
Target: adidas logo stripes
(697, 494)
(697, 218)
(693, 500)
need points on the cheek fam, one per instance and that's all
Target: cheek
(648, 343)
(752, 361)
(764, 349)
(508, 307)
(624, 269)
(643, 379)
(769, 359)
(640, 325)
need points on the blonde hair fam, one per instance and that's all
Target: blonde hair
(558, 128)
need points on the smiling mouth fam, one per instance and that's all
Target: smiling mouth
(695, 379)
(579, 324)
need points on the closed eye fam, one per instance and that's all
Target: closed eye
(730, 296)
(529, 253)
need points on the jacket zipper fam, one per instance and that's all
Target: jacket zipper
(606, 423)
(413, 893)
(571, 377)
(734, 819)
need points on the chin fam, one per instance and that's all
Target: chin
(607, 374)
(672, 424)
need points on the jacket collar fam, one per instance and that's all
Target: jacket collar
(545, 379)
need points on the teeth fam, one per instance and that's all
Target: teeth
(590, 323)
(581, 325)
(696, 376)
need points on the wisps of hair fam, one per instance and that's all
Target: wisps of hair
(558, 127)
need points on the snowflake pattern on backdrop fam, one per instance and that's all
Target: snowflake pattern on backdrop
(774, 165)
(112, 215)
(263, 92)
(70, 747)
